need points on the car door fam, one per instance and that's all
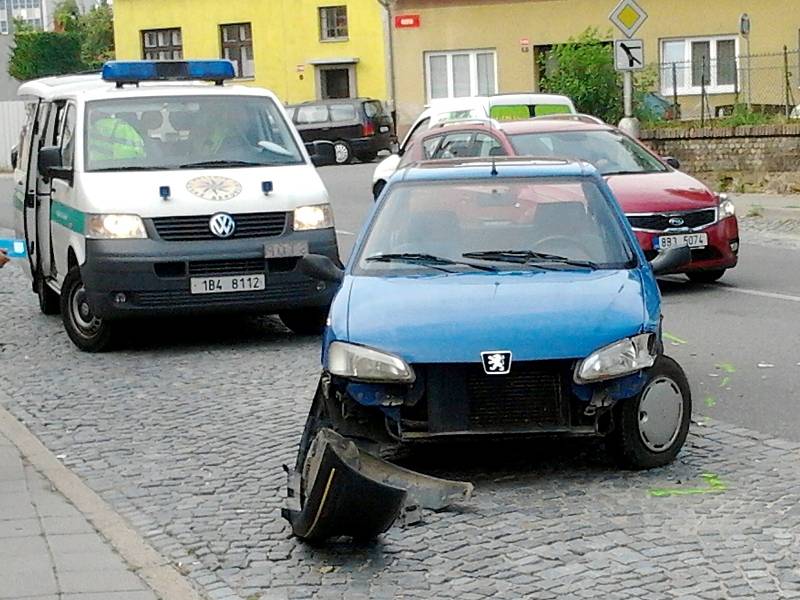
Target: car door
(25, 183)
(62, 197)
(51, 115)
(345, 122)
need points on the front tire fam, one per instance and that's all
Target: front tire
(342, 152)
(305, 321)
(49, 301)
(705, 276)
(652, 426)
(87, 332)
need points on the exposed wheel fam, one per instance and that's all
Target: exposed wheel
(342, 152)
(378, 188)
(305, 321)
(87, 332)
(705, 276)
(49, 301)
(366, 158)
(651, 428)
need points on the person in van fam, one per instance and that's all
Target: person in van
(113, 138)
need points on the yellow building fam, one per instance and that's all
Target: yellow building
(445, 48)
(300, 49)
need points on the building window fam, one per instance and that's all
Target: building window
(688, 64)
(461, 73)
(333, 23)
(162, 44)
(237, 47)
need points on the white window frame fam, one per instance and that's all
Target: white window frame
(473, 70)
(712, 87)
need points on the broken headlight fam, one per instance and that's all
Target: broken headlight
(615, 360)
(360, 362)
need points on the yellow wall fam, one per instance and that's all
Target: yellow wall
(285, 35)
(500, 24)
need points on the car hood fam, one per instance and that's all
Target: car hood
(660, 192)
(537, 315)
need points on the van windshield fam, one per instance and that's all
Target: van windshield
(186, 132)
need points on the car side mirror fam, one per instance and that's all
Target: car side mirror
(672, 162)
(319, 266)
(14, 157)
(394, 147)
(51, 164)
(321, 153)
(669, 261)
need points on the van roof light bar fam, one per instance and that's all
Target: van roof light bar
(136, 71)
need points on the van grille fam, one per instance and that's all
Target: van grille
(660, 222)
(252, 225)
(240, 266)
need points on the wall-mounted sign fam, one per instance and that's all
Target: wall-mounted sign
(301, 68)
(406, 21)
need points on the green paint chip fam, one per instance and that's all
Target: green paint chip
(710, 401)
(674, 338)
(713, 482)
(727, 367)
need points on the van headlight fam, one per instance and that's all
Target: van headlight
(360, 362)
(317, 216)
(115, 227)
(726, 207)
(620, 358)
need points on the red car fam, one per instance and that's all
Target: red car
(665, 206)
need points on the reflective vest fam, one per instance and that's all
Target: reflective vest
(113, 139)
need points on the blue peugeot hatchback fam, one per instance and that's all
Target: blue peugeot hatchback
(499, 298)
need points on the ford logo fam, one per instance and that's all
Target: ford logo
(222, 225)
(676, 221)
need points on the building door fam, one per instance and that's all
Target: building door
(336, 81)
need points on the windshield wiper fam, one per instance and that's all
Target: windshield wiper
(129, 168)
(427, 260)
(529, 257)
(221, 163)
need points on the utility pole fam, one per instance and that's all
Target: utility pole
(387, 6)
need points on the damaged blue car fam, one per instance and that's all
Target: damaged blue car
(503, 297)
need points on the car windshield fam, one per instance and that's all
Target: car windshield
(611, 152)
(505, 224)
(186, 132)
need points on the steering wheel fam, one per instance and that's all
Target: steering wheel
(564, 241)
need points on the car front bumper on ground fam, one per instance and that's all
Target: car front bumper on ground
(722, 251)
(150, 277)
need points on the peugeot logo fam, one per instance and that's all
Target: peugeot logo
(222, 225)
(676, 221)
(496, 362)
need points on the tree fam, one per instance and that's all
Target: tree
(42, 53)
(97, 29)
(66, 16)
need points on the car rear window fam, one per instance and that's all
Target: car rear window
(373, 108)
(516, 112)
(313, 113)
(342, 112)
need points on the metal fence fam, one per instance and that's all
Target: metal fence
(708, 88)
(12, 118)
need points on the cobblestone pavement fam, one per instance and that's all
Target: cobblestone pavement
(185, 430)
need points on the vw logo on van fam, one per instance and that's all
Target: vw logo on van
(676, 221)
(222, 225)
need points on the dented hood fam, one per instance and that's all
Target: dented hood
(537, 315)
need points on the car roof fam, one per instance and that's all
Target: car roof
(329, 101)
(545, 125)
(500, 167)
(456, 126)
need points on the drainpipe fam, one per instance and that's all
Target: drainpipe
(387, 6)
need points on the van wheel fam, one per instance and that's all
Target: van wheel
(305, 321)
(87, 332)
(651, 427)
(49, 301)
(705, 276)
(342, 152)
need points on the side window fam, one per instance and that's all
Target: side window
(52, 133)
(429, 146)
(68, 137)
(311, 114)
(341, 113)
(489, 145)
(373, 108)
(24, 144)
(456, 145)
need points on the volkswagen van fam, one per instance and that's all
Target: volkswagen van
(154, 189)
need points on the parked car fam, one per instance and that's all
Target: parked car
(500, 106)
(358, 127)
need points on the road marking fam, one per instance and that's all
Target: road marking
(773, 295)
(343, 232)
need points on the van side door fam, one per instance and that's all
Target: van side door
(67, 226)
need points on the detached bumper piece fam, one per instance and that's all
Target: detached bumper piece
(344, 491)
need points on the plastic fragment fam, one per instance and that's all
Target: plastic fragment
(673, 338)
(326, 569)
(726, 366)
(713, 482)
(725, 381)
(765, 365)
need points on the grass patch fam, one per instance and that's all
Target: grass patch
(755, 211)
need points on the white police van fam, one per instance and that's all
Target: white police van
(150, 191)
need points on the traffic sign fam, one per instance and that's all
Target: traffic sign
(406, 21)
(628, 17)
(628, 55)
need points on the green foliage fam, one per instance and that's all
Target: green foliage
(42, 53)
(585, 72)
(66, 16)
(742, 116)
(97, 28)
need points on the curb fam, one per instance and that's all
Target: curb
(165, 581)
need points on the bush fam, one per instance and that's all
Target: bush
(42, 53)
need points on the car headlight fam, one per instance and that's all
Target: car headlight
(360, 362)
(318, 216)
(620, 358)
(115, 227)
(726, 207)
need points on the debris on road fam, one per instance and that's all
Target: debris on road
(765, 365)
(714, 483)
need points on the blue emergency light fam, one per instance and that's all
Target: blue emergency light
(135, 71)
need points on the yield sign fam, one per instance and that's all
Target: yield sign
(628, 17)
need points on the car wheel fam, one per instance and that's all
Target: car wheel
(378, 188)
(87, 331)
(49, 301)
(305, 321)
(342, 152)
(367, 158)
(705, 276)
(651, 427)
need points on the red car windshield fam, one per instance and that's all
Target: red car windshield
(611, 152)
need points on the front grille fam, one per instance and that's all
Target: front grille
(275, 293)
(660, 222)
(252, 225)
(240, 266)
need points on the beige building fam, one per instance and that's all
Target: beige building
(448, 48)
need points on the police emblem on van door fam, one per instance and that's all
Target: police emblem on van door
(496, 362)
(214, 187)
(222, 225)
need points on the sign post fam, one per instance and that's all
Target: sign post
(628, 17)
(744, 31)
